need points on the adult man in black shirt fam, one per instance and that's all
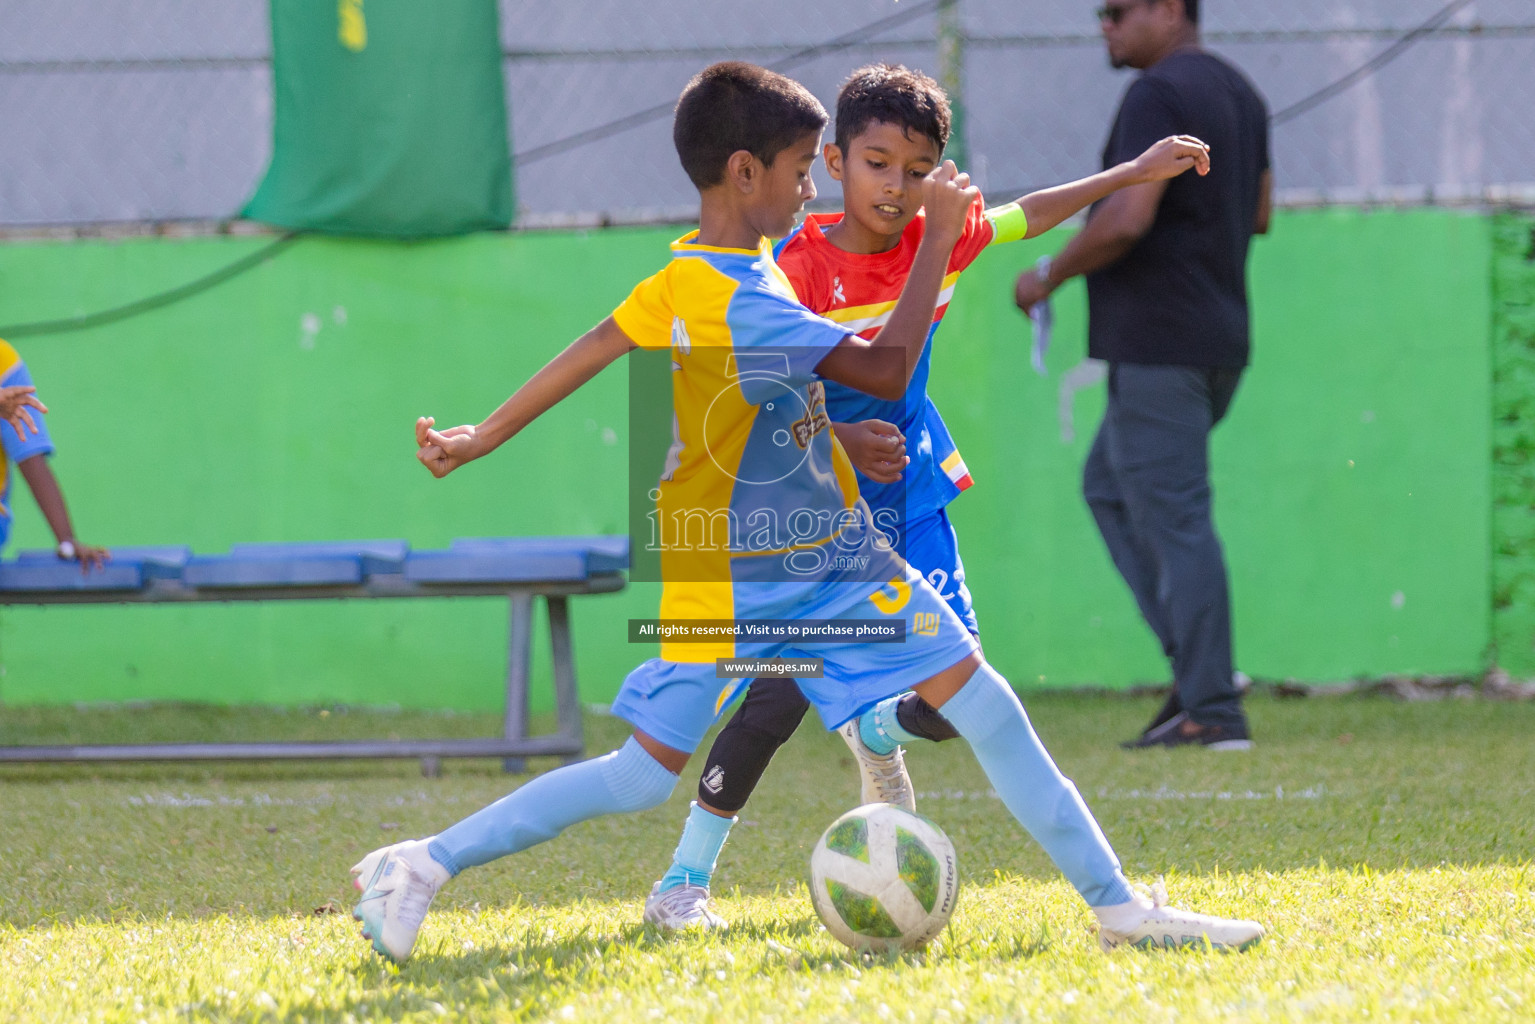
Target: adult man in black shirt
(1167, 309)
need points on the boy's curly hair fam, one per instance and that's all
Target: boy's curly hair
(896, 95)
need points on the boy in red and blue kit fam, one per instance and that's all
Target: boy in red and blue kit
(850, 267)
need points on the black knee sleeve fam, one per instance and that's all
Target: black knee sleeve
(920, 718)
(772, 710)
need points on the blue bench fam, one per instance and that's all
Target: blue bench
(520, 569)
(129, 570)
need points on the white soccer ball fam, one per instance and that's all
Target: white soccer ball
(882, 879)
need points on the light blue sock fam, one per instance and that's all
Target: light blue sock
(880, 729)
(699, 848)
(988, 714)
(628, 779)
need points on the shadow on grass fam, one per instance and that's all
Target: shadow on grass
(531, 974)
(538, 960)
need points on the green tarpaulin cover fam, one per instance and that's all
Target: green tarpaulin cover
(390, 119)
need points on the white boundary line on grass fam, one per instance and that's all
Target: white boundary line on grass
(1317, 792)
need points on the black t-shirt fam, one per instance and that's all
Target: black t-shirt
(1180, 295)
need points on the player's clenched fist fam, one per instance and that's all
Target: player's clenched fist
(947, 196)
(1171, 157)
(875, 448)
(443, 451)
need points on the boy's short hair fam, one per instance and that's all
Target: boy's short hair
(1191, 11)
(731, 106)
(896, 95)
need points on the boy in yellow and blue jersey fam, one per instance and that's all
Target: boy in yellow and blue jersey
(752, 439)
(892, 127)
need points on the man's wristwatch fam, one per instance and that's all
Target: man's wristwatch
(66, 550)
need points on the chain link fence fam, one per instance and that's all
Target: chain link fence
(132, 110)
(161, 110)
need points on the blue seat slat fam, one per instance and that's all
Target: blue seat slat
(265, 571)
(496, 567)
(378, 556)
(60, 575)
(158, 562)
(510, 560)
(155, 554)
(603, 554)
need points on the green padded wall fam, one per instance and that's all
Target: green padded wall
(1351, 475)
(1351, 478)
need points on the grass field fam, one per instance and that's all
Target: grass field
(1386, 845)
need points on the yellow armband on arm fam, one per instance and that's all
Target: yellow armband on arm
(1008, 223)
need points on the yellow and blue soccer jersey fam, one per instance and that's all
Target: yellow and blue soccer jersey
(757, 513)
(754, 475)
(13, 372)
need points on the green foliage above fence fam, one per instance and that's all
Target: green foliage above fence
(1513, 436)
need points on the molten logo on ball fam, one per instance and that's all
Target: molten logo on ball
(882, 879)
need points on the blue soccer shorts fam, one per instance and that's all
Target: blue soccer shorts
(933, 550)
(676, 702)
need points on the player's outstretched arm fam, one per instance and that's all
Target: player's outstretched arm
(1119, 222)
(443, 451)
(883, 366)
(1169, 158)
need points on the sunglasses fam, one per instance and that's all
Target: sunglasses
(1116, 13)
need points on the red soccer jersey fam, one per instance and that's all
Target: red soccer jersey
(859, 291)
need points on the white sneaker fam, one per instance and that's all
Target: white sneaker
(397, 885)
(1164, 927)
(884, 775)
(364, 869)
(681, 907)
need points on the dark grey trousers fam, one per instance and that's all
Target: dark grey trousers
(1147, 482)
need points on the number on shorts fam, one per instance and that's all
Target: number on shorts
(939, 579)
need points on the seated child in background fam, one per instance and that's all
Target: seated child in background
(30, 455)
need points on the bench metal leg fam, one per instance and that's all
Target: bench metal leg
(518, 663)
(567, 699)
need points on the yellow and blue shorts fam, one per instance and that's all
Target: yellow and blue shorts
(676, 702)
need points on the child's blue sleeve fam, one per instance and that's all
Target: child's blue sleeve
(38, 443)
(772, 330)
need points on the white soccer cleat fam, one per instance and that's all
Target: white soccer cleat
(682, 907)
(397, 885)
(884, 775)
(1164, 927)
(364, 869)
